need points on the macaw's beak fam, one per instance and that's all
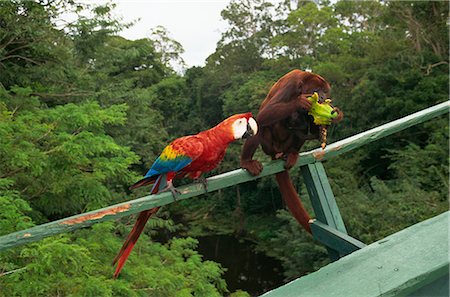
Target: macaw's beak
(252, 128)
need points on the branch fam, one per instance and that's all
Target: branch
(61, 94)
(430, 66)
(11, 173)
(7, 43)
(19, 47)
(12, 271)
(20, 57)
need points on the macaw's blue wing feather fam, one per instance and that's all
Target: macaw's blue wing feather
(170, 160)
(165, 166)
(160, 183)
(176, 156)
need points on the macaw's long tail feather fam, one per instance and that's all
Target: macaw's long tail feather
(144, 182)
(132, 238)
(292, 199)
(138, 227)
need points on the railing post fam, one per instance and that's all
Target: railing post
(323, 201)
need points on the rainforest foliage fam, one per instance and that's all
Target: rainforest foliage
(84, 112)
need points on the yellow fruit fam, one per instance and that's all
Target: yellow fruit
(321, 112)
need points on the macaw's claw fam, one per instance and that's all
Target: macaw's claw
(203, 181)
(175, 192)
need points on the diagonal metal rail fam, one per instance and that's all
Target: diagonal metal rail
(216, 182)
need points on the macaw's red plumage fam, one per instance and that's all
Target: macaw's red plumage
(188, 156)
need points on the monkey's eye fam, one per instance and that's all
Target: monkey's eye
(321, 97)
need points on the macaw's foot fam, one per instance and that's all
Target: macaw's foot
(175, 192)
(203, 181)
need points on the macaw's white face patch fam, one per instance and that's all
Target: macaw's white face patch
(243, 127)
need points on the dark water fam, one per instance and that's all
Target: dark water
(247, 270)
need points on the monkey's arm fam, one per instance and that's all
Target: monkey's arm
(270, 114)
(277, 110)
(248, 150)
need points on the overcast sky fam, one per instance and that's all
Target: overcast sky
(196, 24)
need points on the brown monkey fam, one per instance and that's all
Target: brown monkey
(284, 126)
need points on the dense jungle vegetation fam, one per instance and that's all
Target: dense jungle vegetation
(84, 112)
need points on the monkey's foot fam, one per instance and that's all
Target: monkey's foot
(278, 156)
(291, 160)
(253, 167)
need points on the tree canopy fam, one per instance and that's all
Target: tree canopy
(84, 112)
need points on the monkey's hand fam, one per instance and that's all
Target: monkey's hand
(339, 117)
(304, 102)
(252, 166)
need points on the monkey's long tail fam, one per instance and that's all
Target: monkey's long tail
(292, 199)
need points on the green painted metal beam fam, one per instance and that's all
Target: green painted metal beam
(358, 140)
(332, 238)
(437, 288)
(130, 207)
(397, 265)
(214, 183)
(323, 202)
(322, 197)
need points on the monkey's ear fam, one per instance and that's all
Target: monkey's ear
(304, 82)
(300, 86)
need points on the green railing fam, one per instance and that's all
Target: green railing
(329, 227)
(412, 262)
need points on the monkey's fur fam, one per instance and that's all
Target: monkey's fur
(284, 126)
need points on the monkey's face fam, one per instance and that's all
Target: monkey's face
(316, 84)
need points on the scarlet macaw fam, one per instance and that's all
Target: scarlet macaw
(188, 156)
